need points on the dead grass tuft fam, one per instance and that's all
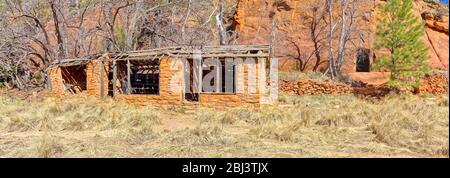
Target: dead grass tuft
(412, 122)
(313, 126)
(83, 113)
(201, 135)
(49, 146)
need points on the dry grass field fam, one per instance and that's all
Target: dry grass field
(302, 126)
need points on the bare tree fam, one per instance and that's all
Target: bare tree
(302, 57)
(317, 30)
(343, 35)
(220, 24)
(332, 66)
(55, 8)
(313, 32)
(348, 16)
(186, 18)
(36, 33)
(26, 38)
(349, 31)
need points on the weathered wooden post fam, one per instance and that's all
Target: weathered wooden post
(114, 78)
(128, 77)
(262, 79)
(274, 80)
(198, 72)
(102, 93)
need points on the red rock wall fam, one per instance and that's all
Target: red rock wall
(292, 30)
(436, 35)
(253, 25)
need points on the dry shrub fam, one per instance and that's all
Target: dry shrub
(243, 115)
(443, 102)
(28, 120)
(178, 109)
(236, 116)
(201, 135)
(270, 114)
(321, 125)
(138, 135)
(419, 124)
(207, 114)
(280, 132)
(342, 110)
(210, 115)
(49, 146)
(319, 137)
(79, 114)
(412, 122)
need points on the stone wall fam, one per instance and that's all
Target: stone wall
(313, 87)
(170, 86)
(245, 97)
(56, 80)
(93, 78)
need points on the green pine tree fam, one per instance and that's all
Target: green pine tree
(399, 32)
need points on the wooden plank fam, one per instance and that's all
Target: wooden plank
(233, 51)
(205, 56)
(273, 89)
(102, 87)
(262, 75)
(114, 78)
(128, 77)
(198, 72)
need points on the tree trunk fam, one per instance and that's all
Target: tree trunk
(61, 47)
(183, 28)
(331, 58)
(132, 26)
(220, 25)
(342, 35)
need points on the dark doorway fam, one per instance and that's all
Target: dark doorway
(110, 80)
(362, 60)
(74, 78)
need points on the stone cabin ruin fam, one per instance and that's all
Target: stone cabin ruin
(210, 76)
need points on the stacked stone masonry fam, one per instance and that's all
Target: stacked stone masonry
(171, 86)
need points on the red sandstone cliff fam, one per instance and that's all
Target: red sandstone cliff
(293, 32)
